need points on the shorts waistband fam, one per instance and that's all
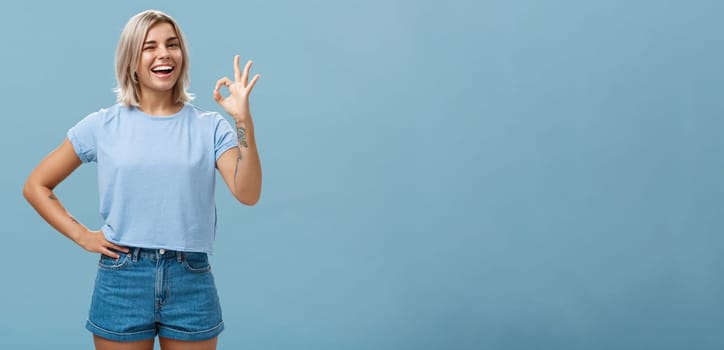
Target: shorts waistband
(137, 253)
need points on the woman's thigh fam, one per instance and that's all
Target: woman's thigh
(173, 344)
(105, 344)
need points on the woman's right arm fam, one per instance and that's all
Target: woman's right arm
(38, 191)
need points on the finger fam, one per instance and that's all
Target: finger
(253, 82)
(237, 68)
(118, 248)
(110, 253)
(106, 245)
(217, 92)
(247, 69)
(223, 81)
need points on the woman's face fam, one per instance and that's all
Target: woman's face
(161, 59)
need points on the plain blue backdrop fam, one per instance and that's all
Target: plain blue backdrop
(437, 174)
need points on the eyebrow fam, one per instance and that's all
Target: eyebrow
(154, 41)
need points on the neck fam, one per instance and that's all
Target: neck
(159, 103)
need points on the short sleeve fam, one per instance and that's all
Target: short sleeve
(224, 137)
(83, 137)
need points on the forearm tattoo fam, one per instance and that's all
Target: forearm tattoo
(241, 136)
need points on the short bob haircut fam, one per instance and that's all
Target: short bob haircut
(128, 54)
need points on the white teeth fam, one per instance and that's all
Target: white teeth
(162, 68)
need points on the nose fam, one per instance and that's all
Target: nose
(163, 52)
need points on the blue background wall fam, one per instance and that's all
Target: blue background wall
(437, 175)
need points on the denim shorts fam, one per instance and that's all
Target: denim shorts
(150, 292)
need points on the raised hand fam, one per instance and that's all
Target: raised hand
(237, 103)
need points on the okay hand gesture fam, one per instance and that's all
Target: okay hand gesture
(237, 103)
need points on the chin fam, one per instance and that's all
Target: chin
(163, 86)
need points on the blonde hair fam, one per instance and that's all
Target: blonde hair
(128, 54)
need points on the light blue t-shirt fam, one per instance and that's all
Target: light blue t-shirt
(156, 175)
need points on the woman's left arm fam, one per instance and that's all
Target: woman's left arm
(240, 169)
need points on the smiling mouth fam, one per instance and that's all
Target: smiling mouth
(162, 70)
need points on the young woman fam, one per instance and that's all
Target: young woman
(156, 157)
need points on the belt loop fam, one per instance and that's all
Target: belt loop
(179, 256)
(136, 250)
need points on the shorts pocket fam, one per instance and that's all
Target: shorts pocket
(108, 263)
(196, 262)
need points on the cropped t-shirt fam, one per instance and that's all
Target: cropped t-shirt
(156, 175)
